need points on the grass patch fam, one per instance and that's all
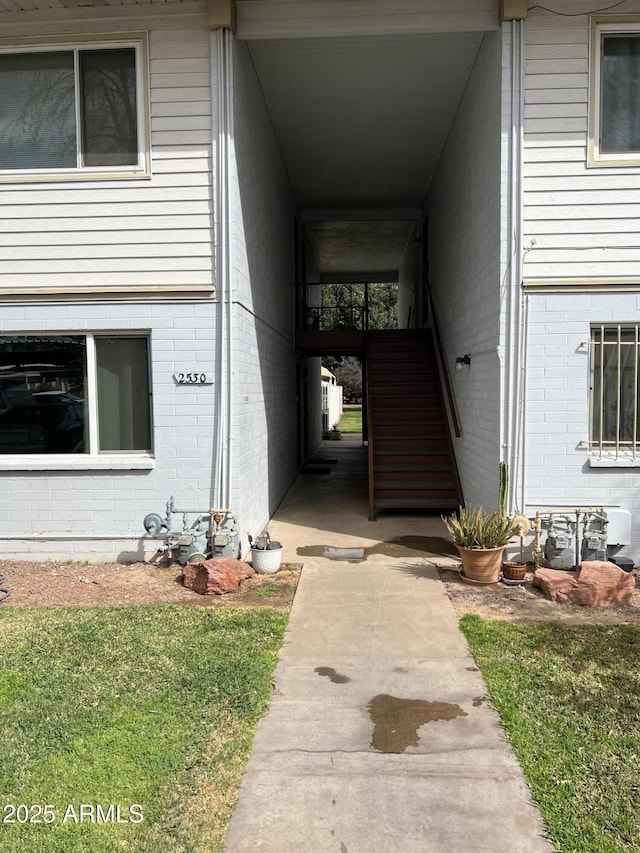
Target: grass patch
(351, 421)
(267, 592)
(153, 706)
(569, 699)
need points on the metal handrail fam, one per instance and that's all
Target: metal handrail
(370, 434)
(443, 362)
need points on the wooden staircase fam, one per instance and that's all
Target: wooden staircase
(411, 461)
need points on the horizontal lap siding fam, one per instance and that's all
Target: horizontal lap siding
(156, 231)
(579, 222)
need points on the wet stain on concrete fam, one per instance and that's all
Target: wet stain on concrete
(396, 721)
(478, 701)
(401, 546)
(472, 669)
(400, 669)
(330, 673)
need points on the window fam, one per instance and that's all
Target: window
(80, 394)
(615, 430)
(614, 128)
(73, 111)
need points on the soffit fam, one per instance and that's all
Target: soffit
(361, 123)
(258, 19)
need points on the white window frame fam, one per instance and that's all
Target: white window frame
(600, 27)
(92, 458)
(618, 451)
(138, 42)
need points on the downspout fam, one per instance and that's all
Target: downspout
(514, 359)
(222, 113)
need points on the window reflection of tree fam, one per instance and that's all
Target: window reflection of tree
(109, 107)
(39, 92)
(621, 93)
(43, 132)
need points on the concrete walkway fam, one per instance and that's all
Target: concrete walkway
(378, 737)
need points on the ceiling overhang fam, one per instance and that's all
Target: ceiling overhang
(268, 19)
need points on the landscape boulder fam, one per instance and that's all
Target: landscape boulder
(596, 584)
(216, 576)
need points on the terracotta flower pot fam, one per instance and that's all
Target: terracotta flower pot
(481, 565)
(513, 570)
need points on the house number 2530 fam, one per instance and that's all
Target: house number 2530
(193, 377)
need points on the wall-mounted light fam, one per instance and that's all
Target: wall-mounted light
(461, 361)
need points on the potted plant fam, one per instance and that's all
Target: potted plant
(266, 554)
(480, 538)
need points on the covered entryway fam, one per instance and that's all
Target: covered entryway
(389, 122)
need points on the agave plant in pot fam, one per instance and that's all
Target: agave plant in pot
(480, 538)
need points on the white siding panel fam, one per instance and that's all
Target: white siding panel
(172, 80)
(579, 222)
(555, 110)
(556, 81)
(148, 231)
(558, 64)
(172, 109)
(52, 236)
(101, 211)
(55, 254)
(569, 215)
(556, 96)
(191, 94)
(564, 50)
(549, 154)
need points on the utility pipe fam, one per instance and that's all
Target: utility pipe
(221, 88)
(514, 302)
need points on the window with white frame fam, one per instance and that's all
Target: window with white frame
(614, 97)
(80, 394)
(74, 111)
(615, 352)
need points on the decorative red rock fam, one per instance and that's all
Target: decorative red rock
(597, 584)
(216, 576)
(555, 584)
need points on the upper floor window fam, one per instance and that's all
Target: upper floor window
(614, 126)
(74, 111)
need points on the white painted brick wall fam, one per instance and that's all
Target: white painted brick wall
(557, 473)
(264, 384)
(114, 503)
(464, 248)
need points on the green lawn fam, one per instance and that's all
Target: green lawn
(149, 709)
(569, 699)
(351, 421)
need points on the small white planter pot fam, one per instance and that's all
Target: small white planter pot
(267, 562)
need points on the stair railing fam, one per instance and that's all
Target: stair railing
(442, 361)
(370, 434)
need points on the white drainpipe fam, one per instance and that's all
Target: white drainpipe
(514, 315)
(222, 113)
